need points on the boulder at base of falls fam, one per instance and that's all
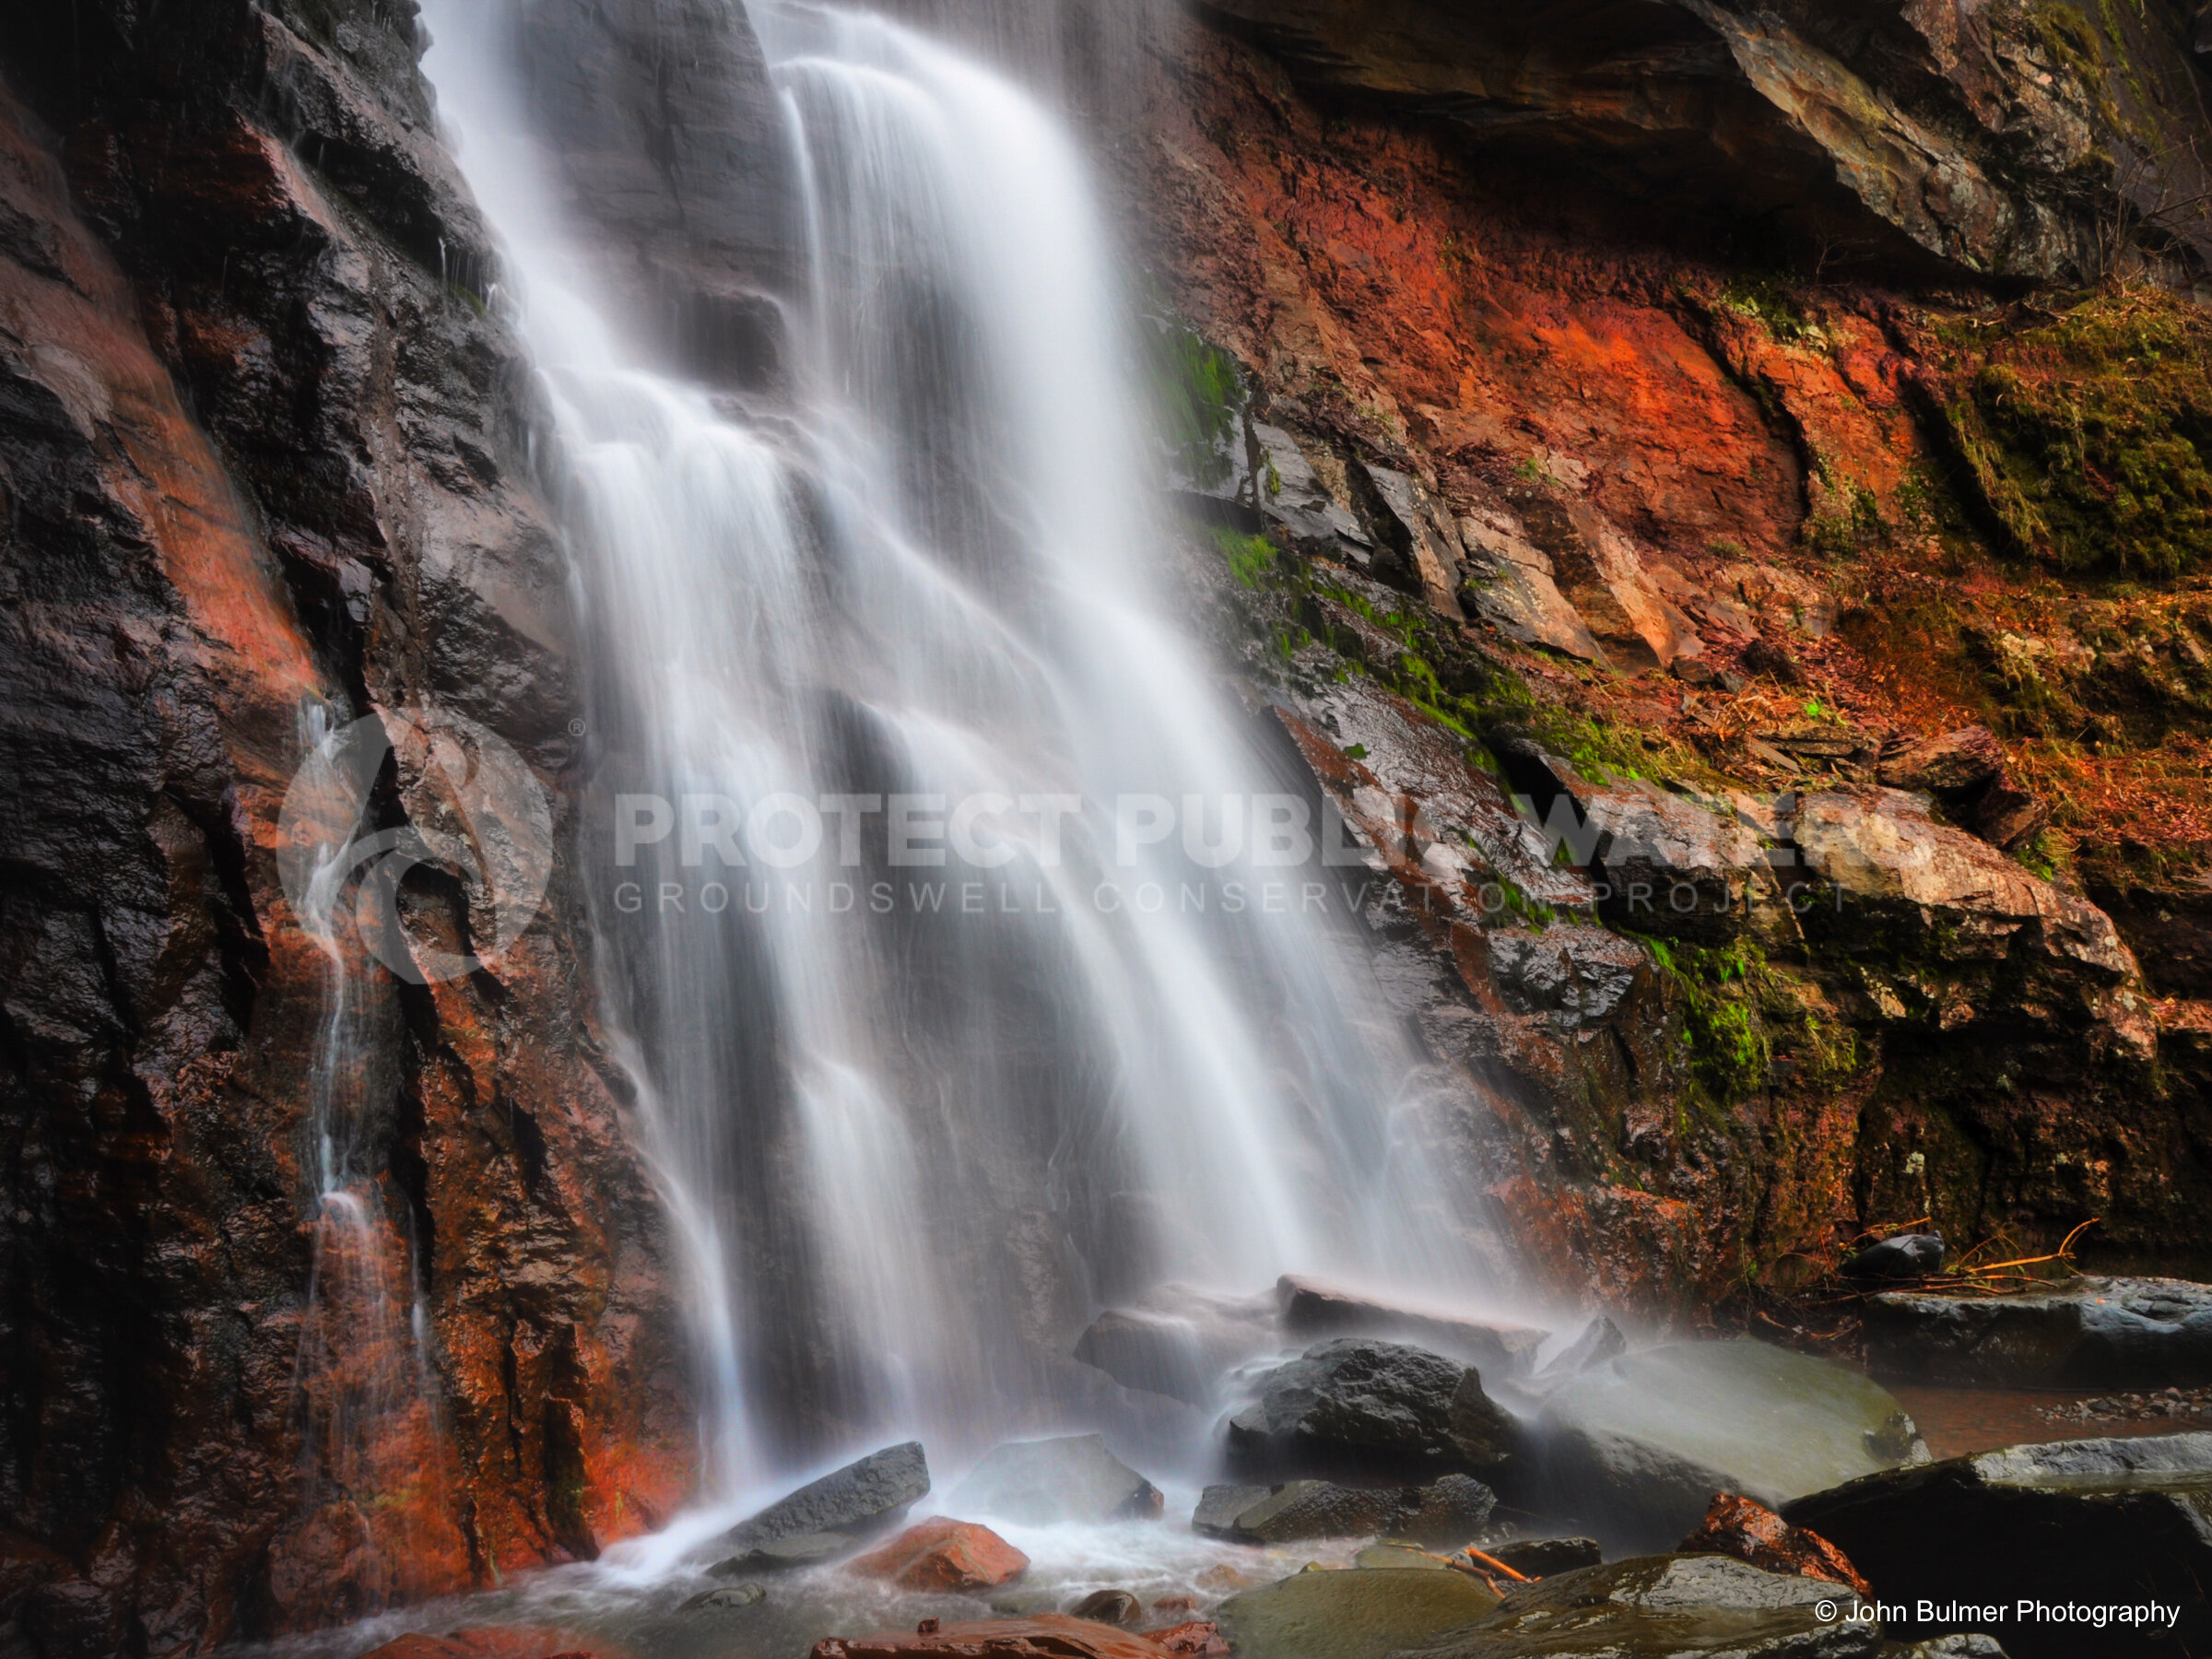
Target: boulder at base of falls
(1449, 1511)
(2086, 1333)
(1073, 1479)
(945, 1554)
(1746, 1529)
(1179, 1342)
(782, 1555)
(1049, 1634)
(1362, 1613)
(1636, 1447)
(2087, 1521)
(1373, 1410)
(1540, 1558)
(1313, 1308)
(1666, 1607)
(863, 1497)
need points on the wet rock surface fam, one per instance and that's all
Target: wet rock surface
(1659, 1607)
(1447, 1511)
(1048, 1636)
(1359, 1614)
(943, 1554)
(1736, 1526)
(2089, 1333)
(1541, 1558)
(2091, 1522)
(1638, 1445)
(1375, 1408)
(867, 1495)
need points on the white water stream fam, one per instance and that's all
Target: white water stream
(909, 1150)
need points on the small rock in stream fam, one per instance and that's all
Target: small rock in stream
(727, 1599)
(1109, 1607)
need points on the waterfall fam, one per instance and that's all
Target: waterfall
(918, 1115)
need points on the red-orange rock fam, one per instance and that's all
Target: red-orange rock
(1748, 1530)
(944, 1554)
(1200, 1639)
(1049, 1636)
(496, 1642)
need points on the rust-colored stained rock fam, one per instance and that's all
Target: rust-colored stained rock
(1749, 1531)
(1048, 1636)
(944, 1554)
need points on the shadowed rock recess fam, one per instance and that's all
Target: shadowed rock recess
(1715, 498)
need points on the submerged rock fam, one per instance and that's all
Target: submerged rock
(2079, 1521)
(1662, 1607)
(780, 1555)
(1053, 1634)
(1638, 1445)
(1376, 1409)
(2089, 1333)
(1361, 1614)
(944, 1554)
(864, 1496)
(1109, 1607)
(1075, 1479)
(729, 1598)
(1736, 1526)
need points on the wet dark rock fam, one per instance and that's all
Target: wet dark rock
(1361, 1613)
(1110, 1606)
(670, 138)
(1541, 1558)
(1447, 1511)
(1074, 1478)
(1300, 1508)
(727, 1599)
(1665, 1607)
(867, 1495)
(1292, 494)
(1313, 1308)
(1638, 1445)
(1218, 1507)
(1894, 1261)
(2089, 1333)
(2079, 1521)
(1375, 1409)
(1739, 1526)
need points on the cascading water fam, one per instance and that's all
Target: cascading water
(1018, 1035)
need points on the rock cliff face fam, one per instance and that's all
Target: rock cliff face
(260, 456)
(2006, 139)
(1621, 573)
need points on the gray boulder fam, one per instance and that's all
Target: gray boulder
(1668, 1607)
(1446, 1511)
(863, 1497)
(2089, 1333)
(1377, 1410)
(1361, 1614)
(1313, 1308)
(1638, 1445)
(2099, 1521)
(1075, 1479)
